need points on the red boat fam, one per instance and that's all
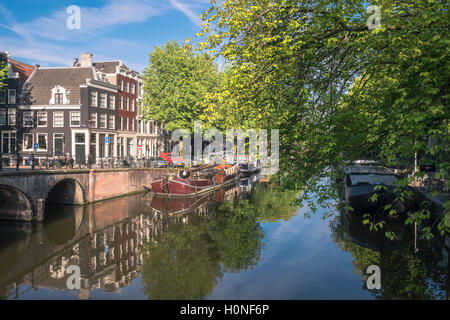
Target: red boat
(195, 181)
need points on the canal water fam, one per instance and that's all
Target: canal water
(243, 242)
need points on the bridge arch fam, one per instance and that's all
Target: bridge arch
(66, 191)
(14, 204)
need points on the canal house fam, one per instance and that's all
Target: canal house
(18, 72)
(69, 111)
(136, 136)
(128, 83)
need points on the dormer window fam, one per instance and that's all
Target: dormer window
(58, 98)
(60, 95)
(102, 77)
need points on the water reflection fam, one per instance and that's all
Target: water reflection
(411, 268)
(157, 248)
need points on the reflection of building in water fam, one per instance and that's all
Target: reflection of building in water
(110, 255)
(246, 183)
(109, 259)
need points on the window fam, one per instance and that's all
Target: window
(42, 119)
(125, 123)
(132, 88)
(102, 100)
(12, 116)
(93, 120)
(101, 149)
(3, 117)
(58, 119)
(12, 96)
(112, 102)
(121, 103)
(125, 103)
(120, 123)
(125, 85)
(132, 104)
(75, 120)
(93, 98)
(27, 141)
(131, 124)
(58, 144)
(2, 96)
(28, 119)
(59, 98)
(102, 122)
(8, 142)
(111, 145)
(59, 95)
(80, 138)
(111, 122)
(120, 85)
(42, 141)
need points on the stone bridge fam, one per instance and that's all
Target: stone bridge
(23, 195)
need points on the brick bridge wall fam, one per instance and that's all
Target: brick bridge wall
(23, 195)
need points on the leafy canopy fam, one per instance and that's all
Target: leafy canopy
(335, 88)
(175, 83)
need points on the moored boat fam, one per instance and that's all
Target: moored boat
(250, 168)
(360, 185)
(196, 181)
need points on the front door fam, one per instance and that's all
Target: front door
(59, 144)
(93, 150)
(80, 154)
(80, 148)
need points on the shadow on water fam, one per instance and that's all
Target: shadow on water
(62, 222)
(14, 240)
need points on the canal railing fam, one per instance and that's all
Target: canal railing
(17, 162)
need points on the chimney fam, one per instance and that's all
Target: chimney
(86, 60)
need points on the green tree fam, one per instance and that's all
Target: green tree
(3, 75)
(175, 83)
(335, 87)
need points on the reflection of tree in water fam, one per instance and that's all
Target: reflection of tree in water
(405, 274)
(272, 204)
(188, 260)
(182, 265)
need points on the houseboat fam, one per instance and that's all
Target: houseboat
(191, 182)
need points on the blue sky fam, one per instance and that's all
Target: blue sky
(128, 30)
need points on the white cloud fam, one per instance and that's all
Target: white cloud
(94, 21)
(188, 12)
(46, 40)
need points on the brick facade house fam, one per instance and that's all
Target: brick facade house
(90, 110)
(69, 111)
(10, 122)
